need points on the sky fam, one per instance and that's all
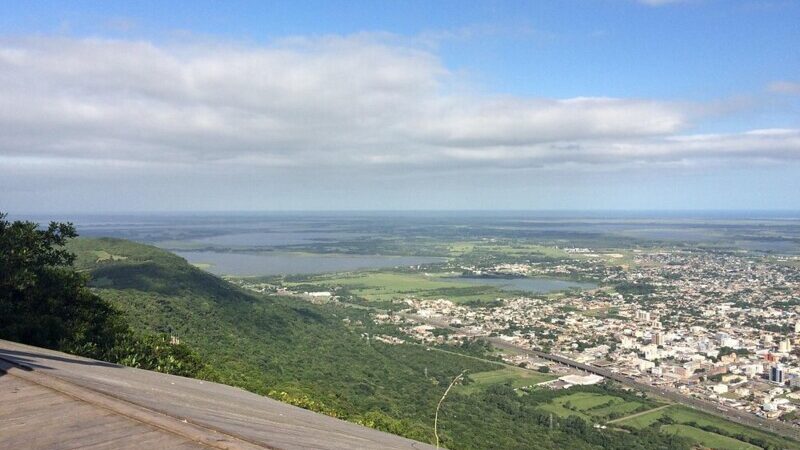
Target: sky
(399, 105)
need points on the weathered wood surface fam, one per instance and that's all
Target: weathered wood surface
(35, 417)
(64, 401)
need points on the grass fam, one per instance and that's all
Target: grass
(516, 376)
(602, 313)
(592, 406)
(617, 407)
(507, 249)
(683, 415)
(707, 438)
(611, 256)
(560, 410)
(383, 286)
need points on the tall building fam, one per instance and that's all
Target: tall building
(643, 315)
(777, 373)
(658, 338)
(785, 346)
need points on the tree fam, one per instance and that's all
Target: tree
(45, 302)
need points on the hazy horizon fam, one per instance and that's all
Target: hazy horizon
(575, 105)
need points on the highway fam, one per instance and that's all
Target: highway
(735, 415)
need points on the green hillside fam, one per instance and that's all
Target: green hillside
(273, 345)
(316, 356)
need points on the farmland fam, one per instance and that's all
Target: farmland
(386, 286)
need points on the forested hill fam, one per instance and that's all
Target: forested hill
(122, 264)
(317, 356)
(302, 353)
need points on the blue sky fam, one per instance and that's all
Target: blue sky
(592, 104)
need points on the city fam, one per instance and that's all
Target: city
(715, 325)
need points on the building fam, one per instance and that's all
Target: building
(644, 365)
(581, 379)
(728, 359)
(627, 342)
(658, 338)
(777, 373)
(785, 346)
(729, 342)
(643, 316)
(720, 388)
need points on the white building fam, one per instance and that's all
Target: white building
(627, 342)
(720, 388)
(651, 352)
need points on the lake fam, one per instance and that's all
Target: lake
(281, 263)
(532, 285)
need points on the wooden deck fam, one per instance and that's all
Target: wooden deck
(34, 417)
(52, 400)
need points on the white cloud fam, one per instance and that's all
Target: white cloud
(363, 101)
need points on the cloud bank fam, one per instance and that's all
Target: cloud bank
(360, 101)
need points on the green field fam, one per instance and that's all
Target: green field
(592, 406)
(384, 286)
(522, 249)
(707, 438)
(516, 376)
(507, 249)
(682, 415)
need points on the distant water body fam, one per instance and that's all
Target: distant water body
(249, 264)
(528, 284)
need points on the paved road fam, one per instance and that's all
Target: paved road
(190, 412)
(735, 415)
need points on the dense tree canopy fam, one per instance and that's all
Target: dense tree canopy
(45, 302)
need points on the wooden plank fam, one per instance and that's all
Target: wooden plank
(35, 417)
(217, 415)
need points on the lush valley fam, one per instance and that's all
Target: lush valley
(318, 357)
